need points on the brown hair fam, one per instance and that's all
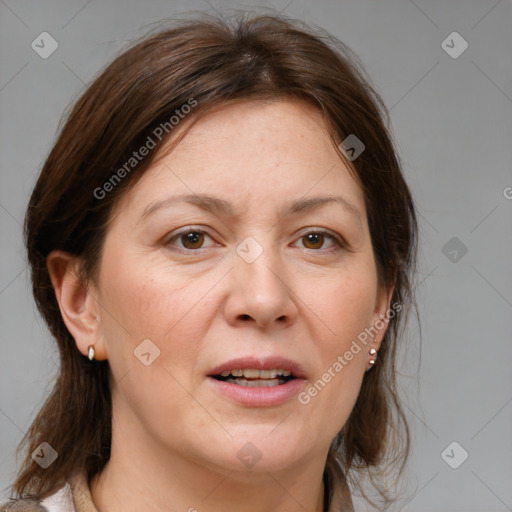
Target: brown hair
(209, 61)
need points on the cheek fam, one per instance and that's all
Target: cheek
(138, 298)
(143, 301)
(345, 307)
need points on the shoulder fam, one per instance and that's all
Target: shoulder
(59, 501)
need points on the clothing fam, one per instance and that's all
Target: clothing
(75, 496)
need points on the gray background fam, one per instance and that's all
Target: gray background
(452, 118)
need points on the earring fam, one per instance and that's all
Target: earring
(373, 353)
(91, 352)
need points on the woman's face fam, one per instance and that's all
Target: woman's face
(189, 289)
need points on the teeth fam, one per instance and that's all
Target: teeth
(259, 383)
(250, 373)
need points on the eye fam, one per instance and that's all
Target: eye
(315, 239)
(191, 239)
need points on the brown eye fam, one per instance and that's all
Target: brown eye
(192, 239)
(314, 240)
(189, 240)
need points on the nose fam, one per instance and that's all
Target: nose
(261, 292)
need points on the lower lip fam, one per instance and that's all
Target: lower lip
(259, 397)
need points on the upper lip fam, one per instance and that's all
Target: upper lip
(260, 363)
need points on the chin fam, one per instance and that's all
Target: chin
(260, 448)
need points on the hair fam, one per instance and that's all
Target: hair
(206, 63)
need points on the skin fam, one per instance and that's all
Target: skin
(175, 440)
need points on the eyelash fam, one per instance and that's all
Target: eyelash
(339, 244)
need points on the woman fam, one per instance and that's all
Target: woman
(222, 244)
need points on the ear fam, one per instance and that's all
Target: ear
(381, 314)
(78, 306)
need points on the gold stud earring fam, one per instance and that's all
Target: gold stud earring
(91, 352)
(373, 353)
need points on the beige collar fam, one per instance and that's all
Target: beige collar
(81, 493)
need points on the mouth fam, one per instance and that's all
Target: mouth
(254, 378)
(258, 382)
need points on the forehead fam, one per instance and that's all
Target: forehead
(251, 152)
(268, 124)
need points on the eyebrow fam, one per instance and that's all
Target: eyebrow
(220, 206)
